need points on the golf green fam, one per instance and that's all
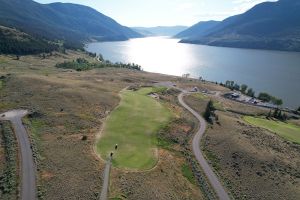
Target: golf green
(133, 126)
(288, 131)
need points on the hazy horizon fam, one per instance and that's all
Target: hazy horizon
(134, 13)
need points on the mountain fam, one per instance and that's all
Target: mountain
(13, 41)
(62, 21)
(160, 30)
(269, 25)
(199, 29)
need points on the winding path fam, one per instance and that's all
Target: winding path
(28, 169)
(106, 173)
(212, 177)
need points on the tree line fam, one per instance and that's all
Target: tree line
(81, 64)
(244, 89)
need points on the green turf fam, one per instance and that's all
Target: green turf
(133, 126)
(188, 173)
(1, 84)
(288, 131)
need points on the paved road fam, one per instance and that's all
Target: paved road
(105, 186)
(28, 169)
(213, 179)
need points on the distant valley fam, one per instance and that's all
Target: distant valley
(160, 30)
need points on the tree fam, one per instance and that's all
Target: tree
(236, 87)
(279, 115)
(227, 84)
(209, 111)
(269, 114)
(277, 102)
(244, 88)
(275, 114)
(250, 92)
(264, 97)
(298, 109)
(284, 117)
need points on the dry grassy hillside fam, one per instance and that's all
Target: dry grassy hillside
(253, 162)
(67, 105)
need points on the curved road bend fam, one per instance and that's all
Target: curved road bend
(104, 191)
(28, 169)
(213, 179)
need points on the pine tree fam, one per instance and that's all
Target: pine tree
(269, 114)
(275, 114)
(209, 111)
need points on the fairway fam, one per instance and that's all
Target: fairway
(288, 131)
(133, 126)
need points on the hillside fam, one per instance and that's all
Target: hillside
(269, 25)
(160, 30)
(13, 41)
(199, 29)
(61, 21)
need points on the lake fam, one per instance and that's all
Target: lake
(275, 72)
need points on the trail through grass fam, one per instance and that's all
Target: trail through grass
(133, 126)
(288, 131)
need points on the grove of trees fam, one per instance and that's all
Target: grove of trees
(81, 64)
(244, 89)
(14, 42)
(268, 98)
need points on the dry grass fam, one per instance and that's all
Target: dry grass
(253, 162)
(69, 105)
(166, 181)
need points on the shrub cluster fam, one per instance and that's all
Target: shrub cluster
(200, 177)
(277, 114)
(8, 180)
(167, 140)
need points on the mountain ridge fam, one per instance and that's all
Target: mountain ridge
(269, 25)
(62, 21)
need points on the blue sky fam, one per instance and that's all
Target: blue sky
(166, 12)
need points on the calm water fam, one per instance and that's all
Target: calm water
(271, 71)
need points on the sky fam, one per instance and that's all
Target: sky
(149, 13)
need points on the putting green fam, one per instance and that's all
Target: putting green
(133, 126)
(288, 131)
